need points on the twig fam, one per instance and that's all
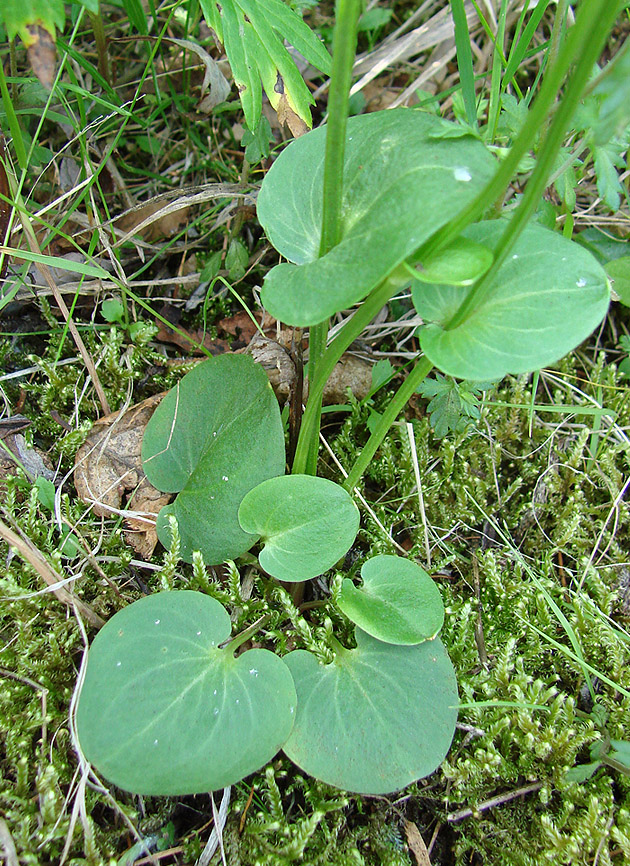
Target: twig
(495, 801)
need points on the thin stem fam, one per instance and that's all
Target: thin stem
(587, 43)
(396, 405)
(578, 41)
(344, 46)
(350, 331)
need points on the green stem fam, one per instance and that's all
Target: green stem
(350, 331)
(595, 17)
(585, 43)
(101, 44)
(396, 405)
(344, 46)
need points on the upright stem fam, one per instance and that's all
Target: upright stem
(396, 405)
(344, 46)
(585, 42)
(309, 431)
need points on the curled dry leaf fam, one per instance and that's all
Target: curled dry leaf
(42, 54)
(108, 465)
(350, 372)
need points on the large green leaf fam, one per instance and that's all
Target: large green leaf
(253, 32)
(546, 298)
(306, 524)
(20, 16)
(214, 437)
(163, 710)
(398, 603)
(376, 719)
(401, 184)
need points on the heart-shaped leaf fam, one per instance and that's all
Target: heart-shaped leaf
(376, 719)
(306, 524)
(546, 298)
(398, 603)
(216, 435)
(164, 711)
(400, 185)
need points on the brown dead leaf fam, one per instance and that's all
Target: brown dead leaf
(416, 844)
(288, 117)
(187, 340)
(277, 364)
(42, 54)
(156, 229)
(240, 325)
(108, 465)
(350, 372)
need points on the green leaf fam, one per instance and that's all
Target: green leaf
(374, 18)
(394, 175)
(214, 437)
(398, 603)
(619, 272)
(253, 34)
(18, 15)
(454, 404)
(382, 372)
(236, 259)
(603, 246)
(621, 751)
(164, 711)
(607, 158)
(582, 772)
(256, 143)
(45, 493)
(306, 524)
(546, 298)
(376, 719)
(136, 15)
(459, 264)
(113, 310)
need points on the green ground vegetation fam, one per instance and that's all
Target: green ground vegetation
(521, 516)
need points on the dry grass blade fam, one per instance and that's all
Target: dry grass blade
(27, 550)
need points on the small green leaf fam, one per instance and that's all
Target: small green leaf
(236, 260)
(306, 523)
(376, 719)
(545, 299)
(256, 143)
(382, 372)
(214, 437)
(164, 711)
(459, 264)
(582, 772)
(619, 272)
(603, 246)
(112, 310)
(45, 493)
(398, 603)
(374, 18)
